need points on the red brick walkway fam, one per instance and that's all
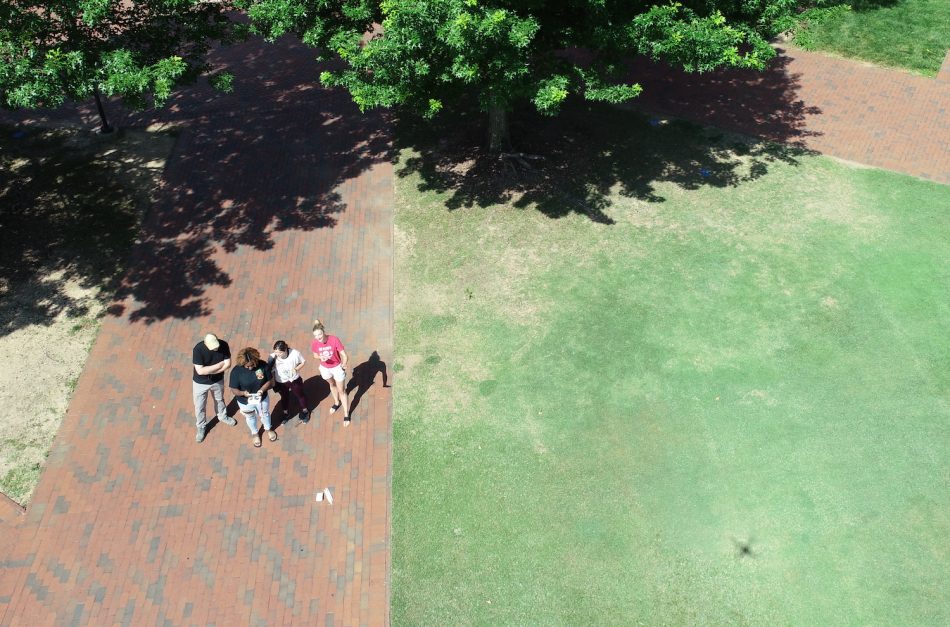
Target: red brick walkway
(859, 112)
(277, 207)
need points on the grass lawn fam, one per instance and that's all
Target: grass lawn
(911, 34)
(687, 379)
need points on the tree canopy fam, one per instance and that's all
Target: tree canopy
(59, 50)
(428, 54)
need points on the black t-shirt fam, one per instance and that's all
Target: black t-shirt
(249, 380)
(201, 355)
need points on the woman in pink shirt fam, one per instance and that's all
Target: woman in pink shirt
(328, 349)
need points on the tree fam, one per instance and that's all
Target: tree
(138, 50)
(430, 54)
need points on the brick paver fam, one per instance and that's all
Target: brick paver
(276, 207)
(859, 112)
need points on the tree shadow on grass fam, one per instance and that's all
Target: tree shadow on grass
(69, 210)
(869, 5)
(589, 154)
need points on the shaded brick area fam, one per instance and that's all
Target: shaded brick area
(276, 207)
(867, 114)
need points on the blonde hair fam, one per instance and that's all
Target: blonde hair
(318, 325)
(248, 355)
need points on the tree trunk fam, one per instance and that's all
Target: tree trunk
(498, 137)
(102, 113)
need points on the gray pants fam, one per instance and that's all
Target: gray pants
(200, 393)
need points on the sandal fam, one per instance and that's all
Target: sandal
(272, 436)
(257, 441)
(334, 408)
(346, 421)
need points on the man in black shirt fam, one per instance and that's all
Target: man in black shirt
(210, 359)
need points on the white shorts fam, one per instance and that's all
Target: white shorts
(336, 372)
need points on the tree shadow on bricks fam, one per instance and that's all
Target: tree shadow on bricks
(762, 104)
(236, 180)
(269, 157)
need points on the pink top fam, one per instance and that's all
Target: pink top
(328, 351)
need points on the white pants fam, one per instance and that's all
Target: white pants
(252, 411)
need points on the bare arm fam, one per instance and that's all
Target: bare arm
(267, 386)
(217, 368)
(221, 366)
(343, 358)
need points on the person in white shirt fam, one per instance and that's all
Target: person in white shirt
(287, 364)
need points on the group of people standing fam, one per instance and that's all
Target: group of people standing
(252, 378)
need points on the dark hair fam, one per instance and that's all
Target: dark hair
(281, 345)
(250, 356)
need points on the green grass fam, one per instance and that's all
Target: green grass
(723, 400)
(911, 34)
(22, 466)
(20, 480)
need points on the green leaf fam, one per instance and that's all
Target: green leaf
(551, 93)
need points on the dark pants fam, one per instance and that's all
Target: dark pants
(295, 387)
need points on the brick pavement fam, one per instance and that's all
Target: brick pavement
(276, 207)
(871, 115)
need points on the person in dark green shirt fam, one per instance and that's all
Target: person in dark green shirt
(249, 383)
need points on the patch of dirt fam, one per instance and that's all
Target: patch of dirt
(70, 205)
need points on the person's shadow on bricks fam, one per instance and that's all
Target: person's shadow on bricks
(314, 388)
(363, 377)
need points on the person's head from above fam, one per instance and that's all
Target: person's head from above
(319, 333)
(249, 358)
(281, 350)
(211, 342)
